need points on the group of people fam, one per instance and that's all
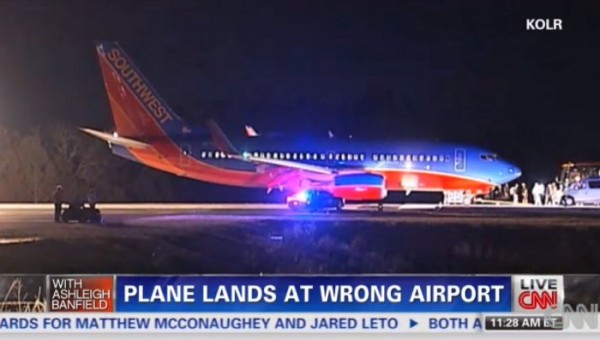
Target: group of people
(58, 199)
(548, 194)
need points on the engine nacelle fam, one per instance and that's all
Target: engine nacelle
(360, 187)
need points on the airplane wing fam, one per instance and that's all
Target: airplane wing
(115, 139)
(224, 145)
(283, 163)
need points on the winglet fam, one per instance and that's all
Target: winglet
(219, 138)
(250, 132)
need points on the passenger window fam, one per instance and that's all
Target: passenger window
(594, 184)
(488, 156)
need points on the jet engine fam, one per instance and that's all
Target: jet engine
(362, 186)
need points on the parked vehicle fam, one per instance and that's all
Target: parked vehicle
(587, 191)
(314, 200)
(81, 213)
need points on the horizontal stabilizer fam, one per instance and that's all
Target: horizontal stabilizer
(115, 139)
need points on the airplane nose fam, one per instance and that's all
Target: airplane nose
(515, 171)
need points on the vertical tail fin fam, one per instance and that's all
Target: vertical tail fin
(137, 108)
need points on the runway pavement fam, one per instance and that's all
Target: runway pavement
(155, 214)
(206, 238)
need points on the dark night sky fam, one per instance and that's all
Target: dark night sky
(464, 71)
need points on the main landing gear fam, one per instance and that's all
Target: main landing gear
(380, 206)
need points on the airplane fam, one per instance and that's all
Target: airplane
(150, 133)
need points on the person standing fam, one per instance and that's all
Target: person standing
(537, 192)
(525, 193)
(505, 194)
(551, 193)
(558, 193)
(514, 192)
(496, 192)
(91, 197)
(57, 198)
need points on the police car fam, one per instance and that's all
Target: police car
(314, 200)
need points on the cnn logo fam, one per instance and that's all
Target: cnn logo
(535, 300)
(537, 293)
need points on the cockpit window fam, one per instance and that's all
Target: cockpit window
(489, 156)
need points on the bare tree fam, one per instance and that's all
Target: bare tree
(33, 162)
(38, 171)
(25, 172)
(79, 160)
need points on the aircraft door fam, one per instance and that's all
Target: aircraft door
(185, 154)
(330, 161)
(460, 160)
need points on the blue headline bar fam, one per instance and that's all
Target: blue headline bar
(360, 294)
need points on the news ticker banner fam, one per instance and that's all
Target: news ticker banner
(128, 303)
